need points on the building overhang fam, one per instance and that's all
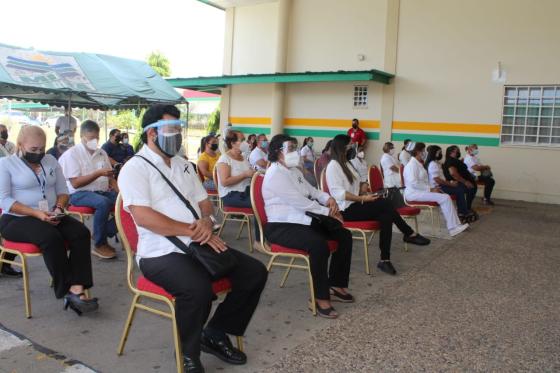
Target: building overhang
(224, 4)
(215, 83)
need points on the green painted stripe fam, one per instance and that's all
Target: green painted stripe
(255, 130)
(442, 139)
(324, 133)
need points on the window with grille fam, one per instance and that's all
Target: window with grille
(531, 115)
(360, 96)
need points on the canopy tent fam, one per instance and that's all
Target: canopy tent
(86, 80)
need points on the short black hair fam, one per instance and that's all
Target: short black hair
(275, 146)
(155, 113)
(113, 131)
(89, 126)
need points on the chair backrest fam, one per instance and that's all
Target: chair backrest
(316, 173)
(324, 186)
(216, 181)
(257, 201)
(129, 237)
(375, 178)
(401, 170)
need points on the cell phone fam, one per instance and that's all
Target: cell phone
(58, 216)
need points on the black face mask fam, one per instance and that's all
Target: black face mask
(458, 155)
(354, 126)
(34, 158)
(118, 138)
(214, 147)
(4, 135)
(169, 145)
(351, 154)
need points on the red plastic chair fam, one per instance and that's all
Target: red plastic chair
(144, 288)
(233, 213)
(82, 212)
(360, 229)
(278, 251)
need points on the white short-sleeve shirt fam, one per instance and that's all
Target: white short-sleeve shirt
(255, 156)
(308, 153)
(78, 161)
(141, 185)
(470, 161)
(435, 171)
(236, 168)
(7, 149)
(404, 157)
(391, 179)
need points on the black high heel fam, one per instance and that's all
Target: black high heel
(79, 305)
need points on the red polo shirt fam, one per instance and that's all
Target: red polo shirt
(357, 136)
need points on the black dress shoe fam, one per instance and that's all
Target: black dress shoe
(192, 365)
(417, 240)
(387, 267)
(222, 349)
(8, 270)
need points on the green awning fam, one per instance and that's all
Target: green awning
(214, 83)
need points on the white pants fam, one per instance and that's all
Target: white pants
(444, 201)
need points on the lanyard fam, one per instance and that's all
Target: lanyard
(41, 184)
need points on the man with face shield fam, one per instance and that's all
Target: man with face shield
(287, 197)
(91, 183)
(158, 213)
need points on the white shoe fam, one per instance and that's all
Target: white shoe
(458, 229)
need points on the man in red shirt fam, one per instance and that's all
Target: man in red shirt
(357, 135)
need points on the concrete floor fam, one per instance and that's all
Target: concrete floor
(485, 301)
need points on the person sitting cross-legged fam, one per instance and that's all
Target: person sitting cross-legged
(159, 213)
(91, 184)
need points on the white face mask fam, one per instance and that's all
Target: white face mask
(291, 159)
(125, 140)
(91, 144)
(475, 152)
(244, 147)
(424, 155)
(392, 151)
(360, 155)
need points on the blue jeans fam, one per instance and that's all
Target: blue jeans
(241, 199)
(463, 197)
(103, 203)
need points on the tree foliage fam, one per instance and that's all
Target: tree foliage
(159, 63)
(214, 121)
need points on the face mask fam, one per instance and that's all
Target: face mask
(424, 155)
(91, 144)
(169, 143)
(33, 157)
(360, 155)
(264, 144)
(125, 141)
(291, 159)
(354, 126)
(4, 135)
(475, 152)
(118, 139)
(214, 147)
(392, 151)
(310, 144)
(63, 147)
(244, 147)
(350, 154)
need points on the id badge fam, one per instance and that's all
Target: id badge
(44, 205)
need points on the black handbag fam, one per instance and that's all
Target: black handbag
(328, 223)
(217, 264)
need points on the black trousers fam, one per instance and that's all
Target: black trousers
(313, 239)
(66, 270)
(489, 183)
(191, 285)
(382, 211)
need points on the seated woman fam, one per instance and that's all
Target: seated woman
(418, 189)
(324, 160)
(344, 186)
(390, 167)
(234, 173)
(61, 144)
(308, 157)
(287, 198)
(33, 196)
(361, 166)
(451, 187)
(207, 160)
(455, 170)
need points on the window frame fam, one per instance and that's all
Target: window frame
(360, 92)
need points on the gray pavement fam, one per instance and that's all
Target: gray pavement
(485, 301)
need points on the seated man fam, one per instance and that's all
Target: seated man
(159, 213)
(116, 151)
(90, 180)
(258, 157)
(474, 165)
(6, 148)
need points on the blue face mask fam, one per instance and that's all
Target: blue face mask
(264, 144)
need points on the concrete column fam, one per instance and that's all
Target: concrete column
(227, 67)
(278, 89)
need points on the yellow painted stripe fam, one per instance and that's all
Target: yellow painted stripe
(322, 122)
(250, 120)
(448, 127)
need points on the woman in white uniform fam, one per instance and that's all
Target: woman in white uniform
(344, 186)
(418, 189)
(287, 198)
(361, 166)
(308, 157)
(404, 155)
(390, 167)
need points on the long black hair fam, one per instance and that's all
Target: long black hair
(204, 141)
(405, 143)
(338, 154)
(432, 151)
(327, 147)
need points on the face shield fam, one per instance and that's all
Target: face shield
(169, 138)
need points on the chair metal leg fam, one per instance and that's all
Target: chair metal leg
(128, 324)
(270, 263)
(313, 304)
(25, 286)
(177, 342)
(240, 228)
(223, 224)
(416, 224)
(366, 251)
(433, 225)
(2, 252)
(250, 233)
(285, 277)
(240, 343)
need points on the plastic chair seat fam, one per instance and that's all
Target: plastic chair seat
(219, 286)
(82, 210)
(238, 210)
(367, 225)
(408, 211)
(22, 247)
(423, 203)
(212, 192)
(275, 248)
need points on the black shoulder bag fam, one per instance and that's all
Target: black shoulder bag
(218, 265)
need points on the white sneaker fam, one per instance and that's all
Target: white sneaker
(458, 229)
